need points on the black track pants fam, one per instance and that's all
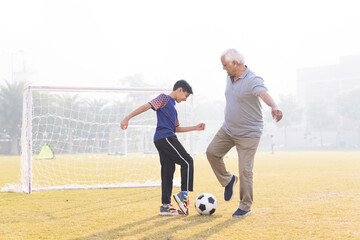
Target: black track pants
(172, 152)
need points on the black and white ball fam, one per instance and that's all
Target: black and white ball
(206, 204)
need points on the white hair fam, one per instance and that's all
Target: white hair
(231, 55)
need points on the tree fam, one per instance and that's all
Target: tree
(67, 106)
(11, 112)
(292, 113)
(96, 108)
(348, 105)
(319, 116)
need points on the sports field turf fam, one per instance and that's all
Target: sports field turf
(298, 195)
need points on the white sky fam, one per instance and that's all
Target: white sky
(95, 43)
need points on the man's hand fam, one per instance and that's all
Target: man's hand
(275, 110)
(276, 114)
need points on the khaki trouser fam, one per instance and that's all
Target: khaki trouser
(246, 149)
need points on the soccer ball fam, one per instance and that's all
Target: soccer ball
(205, 204)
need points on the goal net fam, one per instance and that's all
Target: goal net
(71, 139)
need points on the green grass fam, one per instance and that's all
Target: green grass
(298, 195)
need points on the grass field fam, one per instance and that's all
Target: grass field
(298, 195)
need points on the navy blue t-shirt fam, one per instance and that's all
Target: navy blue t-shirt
(167, 119)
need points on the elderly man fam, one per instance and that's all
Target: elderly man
(242, 128)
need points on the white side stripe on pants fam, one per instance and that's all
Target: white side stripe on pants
(187, 180)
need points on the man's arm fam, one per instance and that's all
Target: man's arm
(199, 127)
(275, 110)
(139, 110)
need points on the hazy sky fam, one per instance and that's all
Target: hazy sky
(98, 42)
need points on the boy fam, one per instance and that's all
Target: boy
(170, 150)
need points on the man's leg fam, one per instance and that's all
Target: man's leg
(215, 152)
(246, 148)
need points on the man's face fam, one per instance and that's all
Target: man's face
(229, 67)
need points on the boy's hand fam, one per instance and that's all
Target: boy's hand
(124, 124)
(200, 127)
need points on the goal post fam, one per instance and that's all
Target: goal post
(71, 139)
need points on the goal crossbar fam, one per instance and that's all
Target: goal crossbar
(95, 89)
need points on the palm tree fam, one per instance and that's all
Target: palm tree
(68, 106)
(95, 110)
(11, 112)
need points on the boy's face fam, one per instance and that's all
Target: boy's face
(182, 96)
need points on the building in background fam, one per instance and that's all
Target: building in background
(318, 91)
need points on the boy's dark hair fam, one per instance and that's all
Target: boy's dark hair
(184, 85)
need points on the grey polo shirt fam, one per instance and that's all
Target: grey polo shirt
(243, 116)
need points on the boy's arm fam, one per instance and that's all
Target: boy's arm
(199, 127)
(141, 109)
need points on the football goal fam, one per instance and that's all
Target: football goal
(71, 139)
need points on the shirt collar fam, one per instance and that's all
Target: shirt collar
(172, 100)
(242, 76)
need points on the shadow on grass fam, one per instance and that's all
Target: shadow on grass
(217, 228)
(116, 232)
(115, 203)
(173, 225)
(168, 232)
(80, 206)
